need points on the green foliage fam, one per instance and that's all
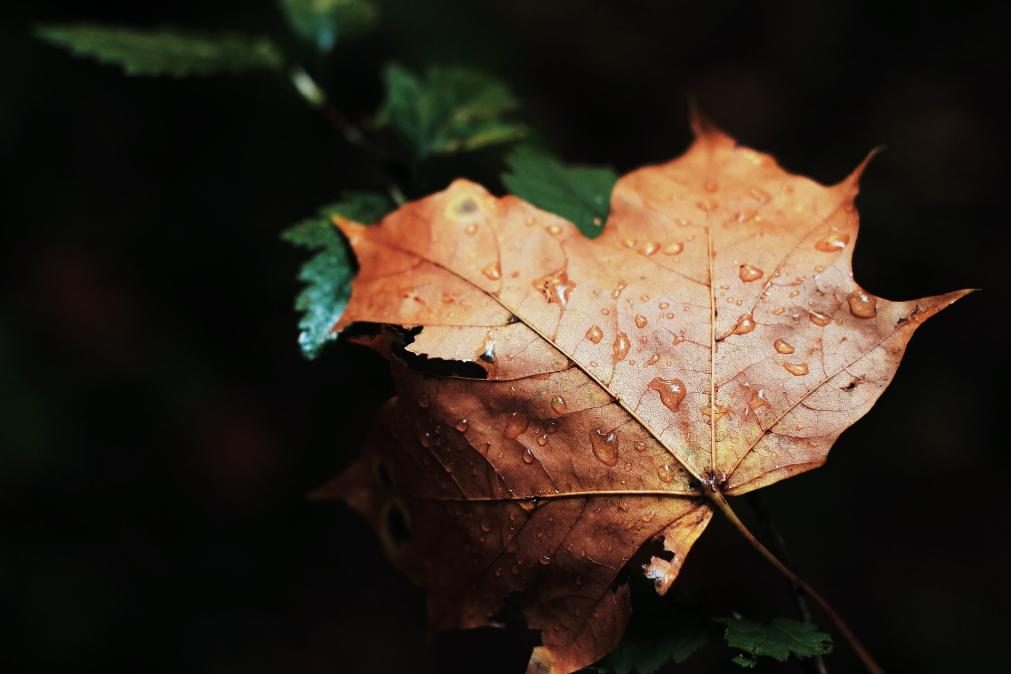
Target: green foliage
(327, 274)
(647, 652)
(325, 22)
(580, 194)
(164, 52)
(777, 639)
(448, 110)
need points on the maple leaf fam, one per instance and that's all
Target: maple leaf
(561, 401)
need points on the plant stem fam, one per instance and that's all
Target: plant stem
(317, 99)
(757, 504)
(861, 652)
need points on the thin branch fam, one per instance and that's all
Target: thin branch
(861, 652)
(317, 99)
(757, 504)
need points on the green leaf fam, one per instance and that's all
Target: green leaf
(647, 655)
(580, 194)
(448, 110)
(324, 23)
(661, 631)
(779, 639)
(164, 52)
(327, 274)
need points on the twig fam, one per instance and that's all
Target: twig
(861, 652)
(817, 663)
(311, 92)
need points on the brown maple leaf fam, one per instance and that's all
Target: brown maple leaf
(590, 396)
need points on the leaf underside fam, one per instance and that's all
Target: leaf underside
(712, 337)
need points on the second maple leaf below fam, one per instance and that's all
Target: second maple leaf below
(561, 401)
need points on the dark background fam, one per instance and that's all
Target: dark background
(159, 428)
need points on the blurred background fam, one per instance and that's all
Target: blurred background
(159, 427)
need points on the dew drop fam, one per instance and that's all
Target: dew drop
(758, 399)
(674, 248)
(653, 360)
(629, 243)
(558, 405)
(426, 439)
(492, 271)
(796, 369)
(744, 325)
(760, 194)
(707, 205)
(555, 287)
(551, 428)
(650, 248)
(595, 334)
(640, 321)
(749, 273)
(553, 230)
(516, 424)
(665, 472)
(621, 346)
(639, 446)
(779, 311)
(605, 446)
(663, 305)
(528, 456)
(462, 425)
(542, 440)
(862, 304)
(672, 392)
(544, 559)
(618, 289)
(819, 318)
(782, 346)
(471, 229)
(834, 242)
(486, 526)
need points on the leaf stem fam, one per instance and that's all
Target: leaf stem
(817, 663)
(317, 99)
(861, 652)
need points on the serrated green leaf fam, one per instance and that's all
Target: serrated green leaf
(660, 632)
(164, 52)
(448, 110)
(580, 194)
(326, 22)
(327, 275)
(778, 639)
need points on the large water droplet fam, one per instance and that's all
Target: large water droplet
(665, 472)
(834, 242)
(621, 346)
(672, 392)
(492, 271)
(461, 425)
(605, 446)
(595, 334)
(796, 369)
(819, 318)
(862, 304)
(555, 287)
(782, 346)
(640, 321)
(515, 424)
(749, 273)
(558, 405)
(744, 325)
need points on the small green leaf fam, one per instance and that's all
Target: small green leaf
(580, 194)
(327, 275)
(164, 52)
(448, 110)
(325, 22)
(779, 639)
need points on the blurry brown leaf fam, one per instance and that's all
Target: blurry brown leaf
(712, 341)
